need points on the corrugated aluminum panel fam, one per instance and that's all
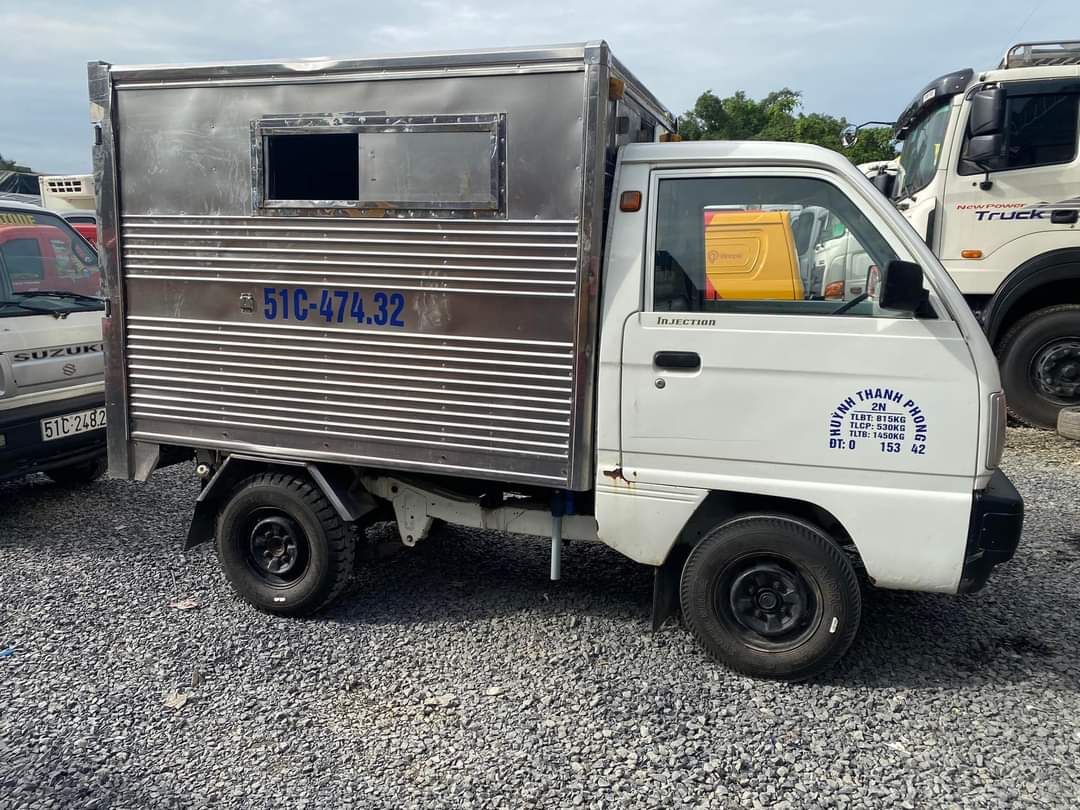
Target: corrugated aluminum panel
(184, 240)
(453, 390)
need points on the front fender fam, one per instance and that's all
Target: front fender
(1053, 266)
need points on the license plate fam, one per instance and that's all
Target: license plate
(71, 423)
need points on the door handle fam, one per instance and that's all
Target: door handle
(1064, 217)
(684, 361)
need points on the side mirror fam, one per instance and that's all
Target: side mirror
(884, 182)
(983, 150)
(901, 287)
(987, 112)
(849, 136)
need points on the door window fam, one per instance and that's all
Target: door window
(766, 245)
(1040, 130)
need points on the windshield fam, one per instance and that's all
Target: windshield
(45, 266)
(920, 152)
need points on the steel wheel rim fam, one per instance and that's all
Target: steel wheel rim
(276, 549)
(1055, 370)
(767, 602)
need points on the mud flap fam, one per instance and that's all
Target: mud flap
(665, 603)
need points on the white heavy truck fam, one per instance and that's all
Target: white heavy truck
(52, 388)
(989, 176)
(470, 288)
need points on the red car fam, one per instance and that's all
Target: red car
(38, 255)
(84, 222)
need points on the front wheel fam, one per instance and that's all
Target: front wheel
(282, 546)
(1040, 365)
(84, 472)
(771, 596)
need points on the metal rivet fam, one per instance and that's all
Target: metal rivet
(660, 383)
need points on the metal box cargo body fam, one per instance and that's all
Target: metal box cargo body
(438, 314)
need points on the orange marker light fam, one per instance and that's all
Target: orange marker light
(630, 201)
(971, 254)
(834, 290)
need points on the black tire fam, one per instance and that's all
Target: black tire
(76, 475)
(1037, 383)
(282, 546)
(733, 607)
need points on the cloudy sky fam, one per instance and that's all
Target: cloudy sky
(859, 59)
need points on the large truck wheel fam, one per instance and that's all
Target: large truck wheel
(84, 472)
(771, 596)
(282, 546)
(1040, 364)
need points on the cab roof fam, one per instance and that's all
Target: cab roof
(738, 153)
(22, 206)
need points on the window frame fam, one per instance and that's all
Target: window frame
(1044, 87)
(950, 117)
(359, 123)
(647, 294)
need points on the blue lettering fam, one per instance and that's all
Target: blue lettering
(982, 216)
(297, 304)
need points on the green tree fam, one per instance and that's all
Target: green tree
(778, 117)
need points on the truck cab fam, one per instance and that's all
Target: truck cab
(52, 401)
(989, 176)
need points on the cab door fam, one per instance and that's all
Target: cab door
(1031, 204)
(868, 413)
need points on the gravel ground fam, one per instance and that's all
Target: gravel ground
(455, 675)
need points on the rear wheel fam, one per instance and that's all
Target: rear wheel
(1040, 364)
(771, 596)
(282, 546)
(85, 472)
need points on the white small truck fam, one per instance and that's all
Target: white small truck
(52, 388)
(989, 176)
(471, 287)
